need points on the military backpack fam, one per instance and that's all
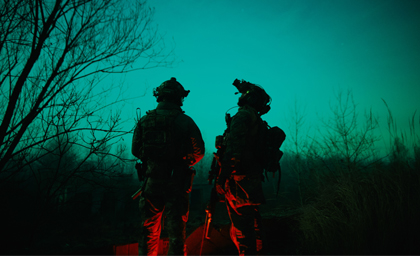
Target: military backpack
(158, 135)
(271, 139)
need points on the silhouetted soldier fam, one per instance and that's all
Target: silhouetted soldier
(168, 142)
(241, 173)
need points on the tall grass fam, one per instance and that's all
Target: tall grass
(353, 201)
(370, 214)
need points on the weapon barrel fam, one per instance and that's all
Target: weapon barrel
(208, 218)
(137, 194)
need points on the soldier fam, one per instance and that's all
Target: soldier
(240, 178)
(168, 142)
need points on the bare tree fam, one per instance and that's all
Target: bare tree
(61, 126)
(53, 56)
(300, 144)
(344, 139)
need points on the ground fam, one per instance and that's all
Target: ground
(280, 227)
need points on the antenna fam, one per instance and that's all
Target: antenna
(227, 115)
(231, 108)
(138, 115)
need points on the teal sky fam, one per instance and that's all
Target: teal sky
(297, 50)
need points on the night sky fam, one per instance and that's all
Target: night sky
(298, 50)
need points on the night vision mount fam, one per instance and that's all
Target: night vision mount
(253, 95)
(242, 86)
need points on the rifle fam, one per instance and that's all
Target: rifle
(140, 167)
(214, 172)
(214, 198)
(138, 192)
(141, 170)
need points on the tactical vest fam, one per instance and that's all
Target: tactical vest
(252, 150)
(158, 135)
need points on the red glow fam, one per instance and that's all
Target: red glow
(218, 244)
(133, 249)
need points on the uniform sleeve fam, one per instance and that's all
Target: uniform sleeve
(197, 144)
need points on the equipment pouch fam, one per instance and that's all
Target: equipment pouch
(219, 141)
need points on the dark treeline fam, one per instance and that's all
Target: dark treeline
(54, 203)
(369, 210)
(331, 209)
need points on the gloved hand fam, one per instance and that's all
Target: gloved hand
(233, 165)
(188, 159)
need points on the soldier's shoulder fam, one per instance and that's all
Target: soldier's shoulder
(149, 112)
(142, 119)
(184, 118)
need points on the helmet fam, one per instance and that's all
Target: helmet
(170, 90)
(253, 95)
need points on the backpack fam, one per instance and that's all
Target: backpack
(158, 136)
(271, 139)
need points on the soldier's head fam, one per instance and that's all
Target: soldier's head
(172, 91)
(253, 95)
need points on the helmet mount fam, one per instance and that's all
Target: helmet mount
(253, 95)
(170, 90)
